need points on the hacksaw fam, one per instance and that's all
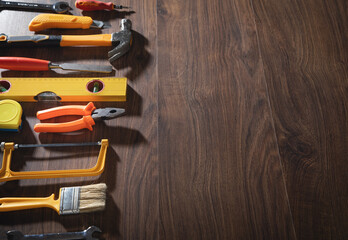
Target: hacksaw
(6, 174)
(63, 89)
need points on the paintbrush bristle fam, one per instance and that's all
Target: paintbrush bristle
(92, 198)
(82, 199)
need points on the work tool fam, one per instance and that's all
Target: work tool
(121, 41)
(6, 174)
(58, 7)
(10, 116)
(32, 64)
(86, 234)
(93, 5)
(47, 21)
(89, 115)
(71, 200)
(64, 89)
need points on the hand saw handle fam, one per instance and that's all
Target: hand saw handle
(92, 5)
(84, 122)
(24, 64)
(46, 21)
(19, 203)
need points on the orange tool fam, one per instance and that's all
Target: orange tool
(89, 113)
(6, 174)
(121, 41)
(46, 21)
(33, 64)
(93, 5)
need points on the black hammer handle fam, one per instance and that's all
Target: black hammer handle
(57, 40)
(27, 41)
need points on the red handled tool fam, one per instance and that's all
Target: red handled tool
(32, 64)
(89, 112)
(93, 5)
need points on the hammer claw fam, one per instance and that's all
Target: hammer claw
(118, 51)
(122, 40)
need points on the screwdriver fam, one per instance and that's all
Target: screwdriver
(32, 64)
(94, 5)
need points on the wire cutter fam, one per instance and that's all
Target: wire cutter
(89, 115)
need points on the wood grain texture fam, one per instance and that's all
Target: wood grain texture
(305, 53)
(220, 174)
(235, 129)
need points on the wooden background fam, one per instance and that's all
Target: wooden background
(236, 124)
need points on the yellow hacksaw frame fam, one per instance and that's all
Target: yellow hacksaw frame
(6, 174)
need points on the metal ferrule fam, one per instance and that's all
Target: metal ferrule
(69, 200)
(53, 65)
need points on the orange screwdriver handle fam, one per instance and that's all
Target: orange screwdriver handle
(93, 5)
(46, 21)
(84, 122)
(66, 110)
(24, 64)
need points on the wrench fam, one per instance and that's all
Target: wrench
(86, 234)
(59, 7)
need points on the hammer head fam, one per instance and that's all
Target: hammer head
(14, 235)
(122, 40)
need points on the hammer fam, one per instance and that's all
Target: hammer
(121, 40)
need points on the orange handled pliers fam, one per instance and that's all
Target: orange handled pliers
(89, 112)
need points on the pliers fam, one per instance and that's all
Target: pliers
(89, 115)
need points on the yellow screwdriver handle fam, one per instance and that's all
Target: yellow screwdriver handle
(86, 40)
(46, 21)
(19, 203)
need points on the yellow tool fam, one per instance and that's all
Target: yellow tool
(6, 174)
(46, 21)
(10, 115)
(71, 200)
(64, 89)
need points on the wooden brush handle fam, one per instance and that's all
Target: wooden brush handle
(19, 203)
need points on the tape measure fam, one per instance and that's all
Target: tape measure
(63, 89)
(10, 115)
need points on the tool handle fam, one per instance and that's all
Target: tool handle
(93, 5)
(24, 64)
(57, 236)
(18, 203)
(66, 110)
(56, 40)
(25, 5)
(17, 235)
(29, 41)
(46, 21)
(84, 122)
(86, 40)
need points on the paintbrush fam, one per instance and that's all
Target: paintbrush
(71, 200)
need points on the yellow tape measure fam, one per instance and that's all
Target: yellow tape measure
(63, 89)
(10, 115)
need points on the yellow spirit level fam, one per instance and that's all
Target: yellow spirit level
(63, 89)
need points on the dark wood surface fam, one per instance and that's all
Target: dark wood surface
(236, 124)
(304, 50)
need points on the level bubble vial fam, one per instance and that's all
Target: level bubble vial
(95, 86)
(4, 86)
